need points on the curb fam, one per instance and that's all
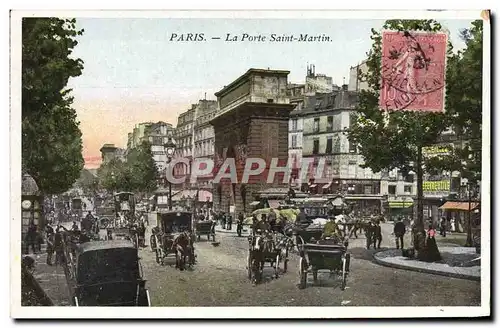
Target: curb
(431, 271)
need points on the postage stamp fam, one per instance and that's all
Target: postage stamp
(414, 68)
(222, 160)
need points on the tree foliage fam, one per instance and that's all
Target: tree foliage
(51, 137)
(464, 106)
(137, 174)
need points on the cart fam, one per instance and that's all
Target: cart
(259, 254)
(324, 255)
(205, 228)
(175, 230)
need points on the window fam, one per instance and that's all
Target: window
(294, 124)
(329, 124)
(408, 189)
(316, 125)
(409, 178)
(294, 141)
(315, 146)
(368, 189)
(352, 147)
(392, 190)
(329, 145)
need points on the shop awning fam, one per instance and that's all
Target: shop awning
(312, 186)
(254, 203)
(327, 185)
(459, 206)
(401, 204)
(186, 194)
(273, 203)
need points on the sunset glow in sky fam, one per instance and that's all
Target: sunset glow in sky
(133, 73)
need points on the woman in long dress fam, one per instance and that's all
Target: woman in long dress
(432, 251)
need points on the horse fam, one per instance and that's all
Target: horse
(183, 247)
(262, 245)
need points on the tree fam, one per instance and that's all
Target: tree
(137, 174)
(142, 167)
(394, 139)
(51, 137)
(464, 106)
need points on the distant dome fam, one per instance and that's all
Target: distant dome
(29, 186)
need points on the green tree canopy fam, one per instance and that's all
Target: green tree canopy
(51, 137)
(137, 174)
(464, 106)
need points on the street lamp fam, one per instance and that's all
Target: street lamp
(169, 151)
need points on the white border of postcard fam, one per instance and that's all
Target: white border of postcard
(242, 312)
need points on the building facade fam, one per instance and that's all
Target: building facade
(203, 137)
(326, 119)
(298, 93)
(183, 136)
(252, 122)
(110, 152)
(157, 134)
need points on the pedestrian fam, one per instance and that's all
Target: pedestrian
(229, 222)
(431, 250)
(369, 234)
(58, 246)
(223, 220)
(31, 236)
(442, 226)
(38, 239)
(377, 240)
(399, 232)
(50, 245)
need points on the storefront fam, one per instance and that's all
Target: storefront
(399, 207)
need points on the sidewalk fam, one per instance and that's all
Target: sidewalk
(51, 279)
(458, 262)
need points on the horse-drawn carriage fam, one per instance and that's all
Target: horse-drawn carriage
(206, 227)
(105, 273)
(329, 254)
(174, 236)
(266, 247)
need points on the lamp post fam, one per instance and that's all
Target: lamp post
(169, 151)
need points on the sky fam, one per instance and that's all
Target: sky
(133, 73)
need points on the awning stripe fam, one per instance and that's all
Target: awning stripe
(459, 206)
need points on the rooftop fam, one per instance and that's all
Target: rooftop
(251, 71)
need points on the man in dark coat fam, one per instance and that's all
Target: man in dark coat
(377, 240)
(229, 222)
(369, 233)
(399, 232)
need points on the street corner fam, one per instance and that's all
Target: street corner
(457, 262)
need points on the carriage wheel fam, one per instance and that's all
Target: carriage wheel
(315, 275)
(303, 273)
(285, 262)
(344, 273)
(157, 256)
(152, 243)
(249, 267)
(256, 268)
(277, 267)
